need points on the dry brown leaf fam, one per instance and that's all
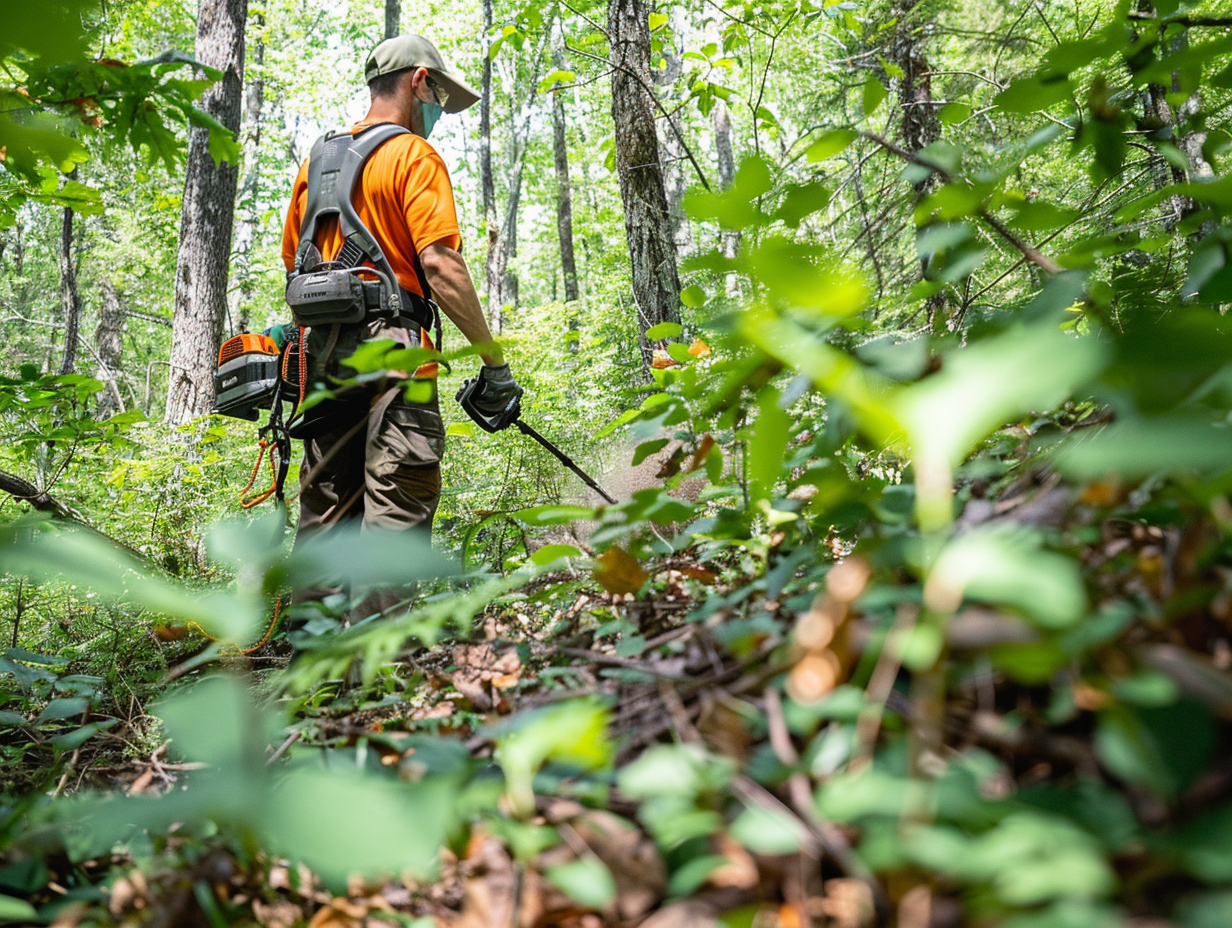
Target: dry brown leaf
(619, 572)
(490, 896)
(849, 903)
(632, 858)
(740, 871)
(170, 632)
(724, 729)
(691, 913)
(278, 914)
(700, 455)
(339, 913)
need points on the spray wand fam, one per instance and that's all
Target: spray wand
(511, 415)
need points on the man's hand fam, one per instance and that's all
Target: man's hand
(496, 388)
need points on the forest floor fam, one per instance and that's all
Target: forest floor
(737, 668)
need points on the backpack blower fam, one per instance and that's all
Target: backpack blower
(511, 415)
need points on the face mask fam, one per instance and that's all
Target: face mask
(431, 113)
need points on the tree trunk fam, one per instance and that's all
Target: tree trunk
(70, 299)
(108, 338)
(674, 181)
(393, 17)
(648, 223)
(206, 220)
(486, 181)
(564, 194)
(729, 241)
(242, 285)
(919, 126)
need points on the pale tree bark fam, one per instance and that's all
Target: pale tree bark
(206, 219)
(70, 298)
(487, 181)
(729, 240)
(648, 223)
(564, 194)
(502, 282)
(674, 181)
(108, 339)
(393, 17)
(242, 285)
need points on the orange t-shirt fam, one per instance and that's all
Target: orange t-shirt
(405, 199)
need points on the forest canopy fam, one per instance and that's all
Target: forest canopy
(897, 332)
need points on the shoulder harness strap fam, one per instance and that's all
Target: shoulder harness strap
(335, 168)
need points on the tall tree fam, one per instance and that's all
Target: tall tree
(729, 239)
(919, 125)
(393, 17)
(487, 182)
(242, 285)
(648, 222)
(206, 219)
(108, 339)
(564, 192)
(502, 282)
(70, 298)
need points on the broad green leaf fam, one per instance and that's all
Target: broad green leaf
(664, 330)
(767, 831)
(981, 387)
(831, 143)
(64, 708)
(693, 297)
(768, 443)
(549, 554)
(1007, 566)
(1032, 94)
(572, 733)
(1136, 447)
(874, 95)
(17, 910)
(586, 880)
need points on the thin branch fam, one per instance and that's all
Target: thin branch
(657, 102)
(1029, 251)
(1200, 22)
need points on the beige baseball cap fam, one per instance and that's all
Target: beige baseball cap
(414, 51)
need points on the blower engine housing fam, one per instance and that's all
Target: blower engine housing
(247, 376)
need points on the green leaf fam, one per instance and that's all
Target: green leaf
(953, 113)
(549, 554)
(553, 515)
(17, 910)
(586, 880)
(664, 330)
(1032, 94)
(1180, 443)
(802, 201)
(832, 143)
(768, 445)
(573, 733)
(874, 95)
(557, 77)
(690, 296)
(767, 831)
(64, 708)
(1006, 565)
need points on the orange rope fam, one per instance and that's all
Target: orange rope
(248, 502)
(269, 631)
(303, 370)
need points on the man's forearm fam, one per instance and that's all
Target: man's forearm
(454, 292)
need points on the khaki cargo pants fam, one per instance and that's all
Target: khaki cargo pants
(383, 473)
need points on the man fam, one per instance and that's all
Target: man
(375, 458)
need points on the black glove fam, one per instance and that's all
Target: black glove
(496, 388)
